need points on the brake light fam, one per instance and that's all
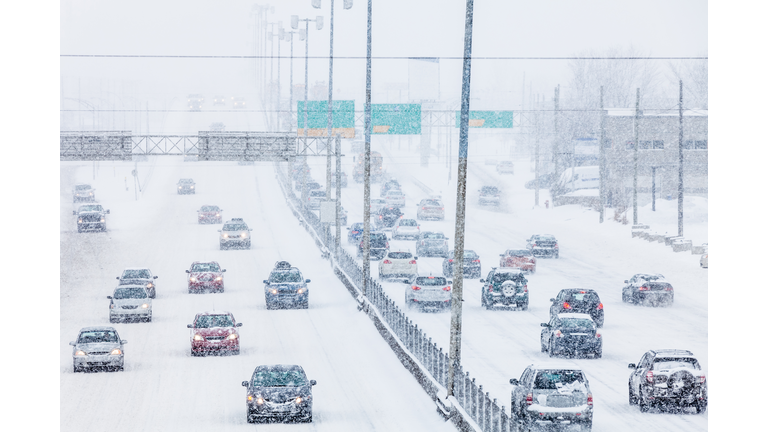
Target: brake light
(566, 305)
(412, 262)
(423, 208)
(450, 260)
(533, 244)
(387, 262)
(415, 288)
(525, 287)
(556, 247)
(702, 379)
(589, 399)
(387, 245)
(668, 288)
(442, 208)
(649, 376)
(643, 288)
(490, 288)
(529, 399)
(600, 306)
(422, 243)
(582, 292)
(446, 288)
(558, 333)
(597, 335)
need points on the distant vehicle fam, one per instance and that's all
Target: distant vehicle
(238, 103)
(395, 198)
(83, 192)
(205, 276)
(280, 392)
(556, 394)
(670, 378)
(571, 334)
(185, 186)
(209, 214)
(545, 181)
(472, 265)
(505, 167)
(387, 216)
(650, 289)
(286, 287)
(236, 233)
(389, 185)
(379, 246)
(522, 259)
(91, 217)
(130, 302)
(315, 198)
(214, 332)
(577, 178)
(489, 195)
(343, 216)
(428, 292)
(432, 243)
(377, 204)
(98, 347)
(504, 287)
(398, 264)
(219, 100)
(430, 208)
(139, 275)
(313, 185)
(578, 300)
(377, 171)
(343, 179)
(405, 228)
(704, 260)
(355, 232)
(299, 167)
(543, 245)
(195, 102)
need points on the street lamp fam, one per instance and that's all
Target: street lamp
(260, 11)
(280, 37)
(288, 36)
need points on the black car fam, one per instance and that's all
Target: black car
(578, 300)
(430, 243)
(543, 245)
(472, 267)
(387, 216)
(571, 334)
(279, 392)
(545, 181)
(669, 378)
(650, 289)
(185, 186)
(378, 248)
(286, 287)
(504, 287)
(91, 217)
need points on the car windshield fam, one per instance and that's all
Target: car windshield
(400, 255)
(185, 181)
(576, 323)
(285, 276)
(209, 208)
(205, 267)
(390, 211)
(557, 379)
(235, 227)
(432, 203)
(665, 363)
(90, 208)
(431, 281)
(519, 253)
(130, 293)
(96, 336)
(502, 277)
(208, 321)
(82, 187)
(433, 236)
(489, 190)
(279, 378)
(408, 223)
(136, 274)
(131, 282)
(317, 194)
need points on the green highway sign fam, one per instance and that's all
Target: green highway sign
(487, 119)
(396, 119)
(317, 117)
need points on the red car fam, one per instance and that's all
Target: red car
(209, 214)
(214, 332)
(522, 259)
(205, 276)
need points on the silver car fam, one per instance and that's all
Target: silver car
(428, 292)
(139, 276)
(130, 302)
(97, 347)
(235, 232)
(83, 192)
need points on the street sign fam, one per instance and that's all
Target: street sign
(487, 119)
(396, 119)
(317, 117)
(328, 212)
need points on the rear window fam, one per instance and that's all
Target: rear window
(356, 227)
(576, 323)
(545, 238)
(585, 297)
(317, 193)
(557, 379)
(400, 255)
(468, 254)
(433, 236)
(432, 203)
(519, 253)
(502, 277)
(205, 267)
(430, 281)
(408, 222)
(394, 192)
(658, 286)
(489, 189)
(666, 363)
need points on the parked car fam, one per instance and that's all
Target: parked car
(472, 265)
(489, 195)
(83, 192)
(545, 181)
(669, 378)
(214, 332)
(139, 276)
(543, 245)
(504, 287)
(185, 186)
(235, 233)
(505, 167)
(355, 232)
(522, 259)
(552, 394)
(428, 292)
(91, 217)
(398, 264)
(209, 214)
(405, 228)
(430, 208)
(571, 334)
(578, 300)
(389, 185)
(379, 246)
(205, 276)
(395, 198)
(98, 347)
(315, 197)
(650, 289)
(279, 392)
(130, 303)
(286, 287)
(432, 243)
(387, 216)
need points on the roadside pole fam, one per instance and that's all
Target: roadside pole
(680, 170)
(338, 195)
(637, 145)
(367, 165)
(602, 157)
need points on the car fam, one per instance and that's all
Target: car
(343, 179)
(670, 378)
(398, 264)
(405, 228)
(387, 216)
(430, 208)
(545, 181)
(571, 334)
(139, 276)
(650, 289)
(235, 232)
(389, 185)
(185, 186)
(209, 214)
(238, 102)
(219, 100)
(552, 394)
(195, 102)
(355, 232)
(472, 265)
(431, 243)
(489, 195)
(704, 261)
(578, 300)
(130, 303)
(343, 216)
(83, 192)
(395, 198)
(214, 332)
(428, 292)
(313, 185)
(205, 276)
(279, 392)
(286, 287)
(314, 198)
(377, 204)
(299, 168)
(505, 167)
(504, 287)
(98, 348)
(91, 217)
(379, 246)
(543, 245)
(522, 259)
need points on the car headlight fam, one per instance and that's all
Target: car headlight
(111, 305)
(243, 235)
(102, 219)
(233, 336)
(192, 279)
(179, 187)
(80, 353)
(301, 290)
(273, 291)
(116, 351)
(218, 278)
(191, 187)
(80, 220)
(299, 400)
(225, 235)
(90, 193)
(149, 285)
(198, 337)
(260, 400)
(144, 306)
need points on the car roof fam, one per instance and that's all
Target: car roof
(577, 290)
(96, 328)
(508, 270)
(136, 268)
(658, 276)
(555, 365)
(569, 315)
(214, 313)
(205, 262)
(672, 353)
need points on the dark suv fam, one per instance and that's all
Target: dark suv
(578, 300)
(505, 287)
(543, 245)
(379, 246)
(672, 378)
(386, 217)
(472, 268)
(648, 288)
(286, 287)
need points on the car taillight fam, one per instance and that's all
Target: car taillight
(525, 288)
(446, 288)
(442, 208)
(387, 262)
(422, 243)
(566, 305)
(529, 399)
(556, 246)
(412, 262)
(702, 379)
(423, 208)
(476, 261)
(668, 288)
(589, 399)
(415, 288)
(533, 244)
(450, 260)
(643, 288)
(600, 306)
(387, 245)
(649, 376)
(490, 288)
(597, 335)
(558, 333)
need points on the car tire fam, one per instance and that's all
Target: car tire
(79, 230)
(221, 247)
(624, 298)
(557, 255)
(305, 305)
(249, 418)
(112, 320)
(236, 352)
(644, 405)
(550, 347)
(524, 307)
(701, 406)
(599, 353)
(632, 397)
(586, 426)
(148, 319)
(76, 369)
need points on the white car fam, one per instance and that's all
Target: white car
(139, 276)
(98, 347)
(428, 292)
(398, 264)
(130, 302)
(315, 198)
(395, 198)
(505, 167)
(430, 208)
(406, 228)
(236, 233)
(704, 261)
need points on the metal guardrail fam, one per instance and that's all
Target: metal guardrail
(475, 403)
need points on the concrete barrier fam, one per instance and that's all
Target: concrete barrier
(669, 239)
(681, 245)
(698, 250)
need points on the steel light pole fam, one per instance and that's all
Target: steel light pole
(367, 163)
(288, 36)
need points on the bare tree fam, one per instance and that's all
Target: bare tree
(695, 77)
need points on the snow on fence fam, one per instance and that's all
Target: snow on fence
(470, 408)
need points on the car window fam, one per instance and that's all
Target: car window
(90, 208)
(435, 203)
(431, 281)
(96, 336)
(408, 222)
(576, 323)
(666, 363)
(489, 189)
(130, 293)
(468, 254)
(433, 236)
(356, 227)
(400, 255)
(235, 227)
(279, 378)
(317, 193)
(585, 297)
(558, 379)
(285, 276)
(519, 253)
(205, 267)
(210, 321)
(136, 274)
(82, 187)
(209, 208)
(502, 277)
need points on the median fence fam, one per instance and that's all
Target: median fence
(471, 408)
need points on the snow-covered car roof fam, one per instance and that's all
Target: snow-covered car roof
(569, 315)
(566, 365)
(508, 270)
(673, 353)
(97, 328)
(214, 313)
(136, 268)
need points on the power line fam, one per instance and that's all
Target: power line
(251, 57)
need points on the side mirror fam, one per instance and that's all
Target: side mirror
(186, 271)
(513, 381)
(73, 343)
(501, 255)
(123, 341)
(544, 325)
(245, 383)
(307, 281)
(266, 282)
(415, 258)
(482, 280)
(224, 270)
(450, 282)
(117, 277)
(626, 281)
(632, 366)
(109, 297)
(218, 230)
(347, 228)
(551, 299)
(74, 213)
(189, 326)
(250, 229)
(312, 382)
(107, 211)
(239, 325)
(154, 277)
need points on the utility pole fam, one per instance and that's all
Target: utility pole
(653, 188)
(461, 201)
(602, 157)
(557, 136)
(536, 159)
(338, 194)
(680, 169)
(637, 145)
(367, 164)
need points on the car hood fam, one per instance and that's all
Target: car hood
(287, 286)
(132, 302)
(215, 331)
(281, 394)
(91, 213)
(98, 347)
(204, 275)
